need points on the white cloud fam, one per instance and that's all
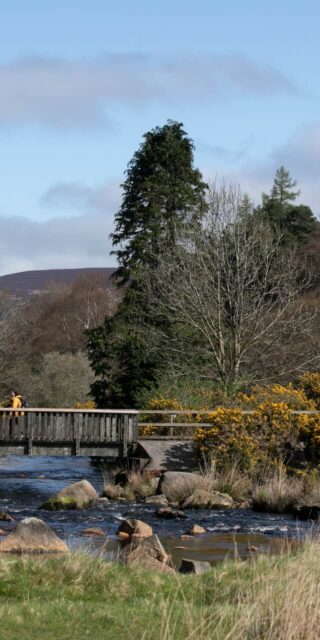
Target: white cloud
(82, 241)
(75, 94)
(300, 155)
(83, 198)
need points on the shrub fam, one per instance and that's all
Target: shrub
(310, 383)
(163, 404)
(89, 404)
(268, 435)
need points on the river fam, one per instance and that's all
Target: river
(26, 482)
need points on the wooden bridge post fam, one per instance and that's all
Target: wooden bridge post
(29, 432)
(77, 430)
(124, 422)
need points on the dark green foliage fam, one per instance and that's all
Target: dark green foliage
(122, 366)
(161, 193)
(296, 222)
(162, 190)
(282, 188)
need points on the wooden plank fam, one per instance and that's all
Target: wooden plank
(114, 428)
(96, 427)
(76, 433)
(173, 439)
(31, 426)
(102, 428)
(79, 434)
(174, 424)
(108, 428)
(124, 420)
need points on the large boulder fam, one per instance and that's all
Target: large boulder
(78, 495)
(149, 554)
(152, 546)
(201, 499)
(177, 485)
(32, 535)
(136, 528)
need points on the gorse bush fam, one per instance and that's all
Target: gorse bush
(296, 398)
(163, 404)
(269, 435)
(310, 383)
(258, 430)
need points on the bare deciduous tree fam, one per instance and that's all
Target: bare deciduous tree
(233, 286)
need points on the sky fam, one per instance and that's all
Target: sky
(81, 81)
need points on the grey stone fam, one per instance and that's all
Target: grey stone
(75, 496)
(170, 483)
(159, 499)
(32, 535)
(194, 566)
(169, 513)
(201, 499)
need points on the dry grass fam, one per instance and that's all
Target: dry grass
(184, 487)
(231, 481)
(141, 484)
(234, 482)
(281, 603)
(278, 493)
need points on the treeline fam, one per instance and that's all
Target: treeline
(212, 295)
(219, 294)
(42, 341)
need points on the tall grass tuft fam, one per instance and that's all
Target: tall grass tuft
(277, 493)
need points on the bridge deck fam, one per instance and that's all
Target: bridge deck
(102, 433)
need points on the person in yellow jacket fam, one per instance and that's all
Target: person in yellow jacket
(15, 403)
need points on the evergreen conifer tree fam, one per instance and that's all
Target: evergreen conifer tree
(162, 191)
(296, 222)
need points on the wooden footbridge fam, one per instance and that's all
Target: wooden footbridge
(66, 432)
(104, 433)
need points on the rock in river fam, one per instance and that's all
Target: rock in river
(32, 535)
(78, 495)
(136, 528)
(93, 531)
(194, 566)
(4, 516)
(148, 553)
(201, 499)
(169, 513)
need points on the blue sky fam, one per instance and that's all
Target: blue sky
(80, 82)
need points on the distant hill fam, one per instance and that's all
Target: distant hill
(29, 283)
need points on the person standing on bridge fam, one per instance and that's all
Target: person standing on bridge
(15, 403)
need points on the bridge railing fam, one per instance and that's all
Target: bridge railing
(175, 427)
(75, 428)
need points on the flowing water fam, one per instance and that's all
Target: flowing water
(26, 482)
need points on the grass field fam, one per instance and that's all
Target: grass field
(77, 597)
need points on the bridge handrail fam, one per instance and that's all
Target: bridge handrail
(140, 412)
(63, 410)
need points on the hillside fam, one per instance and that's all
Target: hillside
(28, 283)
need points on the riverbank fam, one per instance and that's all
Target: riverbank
(78, 596)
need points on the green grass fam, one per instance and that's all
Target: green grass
(78, 597)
